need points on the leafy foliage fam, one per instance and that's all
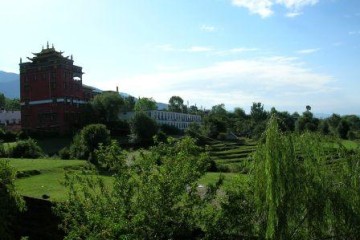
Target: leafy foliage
(155, 198)
(89, 138)
(26, 149)
(142, 129)
(297, 192)
(107, 106)
(9, 104)
(10, 200)
(145, 104)
(176, 104)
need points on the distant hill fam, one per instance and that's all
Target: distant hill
(10, 84)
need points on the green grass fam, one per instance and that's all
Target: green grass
(51, 176)
(230, 155)
(350, 144)
(44, 164)
(8, 146)
(48, 178)
(229, 178)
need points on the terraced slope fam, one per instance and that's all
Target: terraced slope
(229, 155)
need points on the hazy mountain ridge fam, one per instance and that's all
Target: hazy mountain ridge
(10, 84)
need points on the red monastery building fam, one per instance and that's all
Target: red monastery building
(51, 92)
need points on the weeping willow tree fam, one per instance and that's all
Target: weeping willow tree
(299, 187)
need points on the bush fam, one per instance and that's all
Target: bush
(170, 130)
(26, 149)
(10, 201)
(143, 128)
(22, 135)
(222, 136)
(118, 128)
(88, 140)
(64, 153)
(9, 136)
(2, 150)
(2, 134)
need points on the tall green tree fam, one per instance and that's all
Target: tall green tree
(145, 104)
(176, 104)
(2, 101)
(297, 194)
(257, 112)
(88, 140)
(307, 122)
(107, 106)
(129, 104)
(142, 129)
(343, 129)
(12, 104)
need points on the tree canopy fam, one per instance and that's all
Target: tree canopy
(107, 106)
(145, 104)
(176, 104)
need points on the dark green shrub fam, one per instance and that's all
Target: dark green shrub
(170, 130)
(10, 201)
(160, 137)
(2, 134)
(88, 140)
(22, 135)
(118, 128)
(26, 149)
(64, 153)
(2, 150)
(222, 136)
(9, 136)
(143, 128)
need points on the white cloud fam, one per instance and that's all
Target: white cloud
(296, 4)
(354, 32)
(198, 49)
(308, 51)
(235, 83)
(264, 7)
(207, 28)
(192, 49)
(235, 51)
(337, 44)
(293, 14)
(261, 7)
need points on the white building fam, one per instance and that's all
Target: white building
(10, 117)
(179, 120)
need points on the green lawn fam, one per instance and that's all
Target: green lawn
(49, 177)
(45, 176)
(211, 178)
(350, 144)
(45, 164)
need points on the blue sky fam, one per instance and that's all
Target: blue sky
(283, 53)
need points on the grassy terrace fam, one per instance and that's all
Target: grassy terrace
(37, 177)
(45, 176)
(229, 155)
